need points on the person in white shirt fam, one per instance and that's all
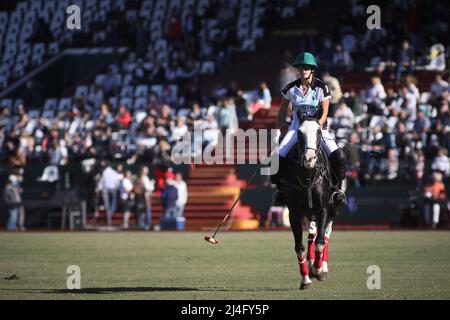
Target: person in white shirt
(408, 102)
(344, 116)
(441, 163)
(438, 87)
(144, 189)
(127, 197)
(109, 185)
(210, 130)
(375, 97)
(179, 130)
(181, 186)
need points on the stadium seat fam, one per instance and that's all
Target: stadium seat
(64, 105)
(248, 44)
(34, 114)
(141, 91)
(126, 91)
(51, 104)
(183, 112)
(127, 79)
(140, 103)
(8, 103)
(48, 114)
(81, 91)
(99, 78)
(207, 67)
(128, 102)
(113, 103)
(158, 89)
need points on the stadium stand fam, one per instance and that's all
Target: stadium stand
(183, 53)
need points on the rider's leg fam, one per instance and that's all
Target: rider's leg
(338, 166)
(289, 140)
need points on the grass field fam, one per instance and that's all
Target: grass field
(245, 265)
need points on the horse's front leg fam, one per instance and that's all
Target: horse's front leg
(327, 236)
(296, 226)
(312, 231)
(322, 222)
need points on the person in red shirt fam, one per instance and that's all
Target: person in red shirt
(123, 117)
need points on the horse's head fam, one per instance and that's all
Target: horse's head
(309, 135)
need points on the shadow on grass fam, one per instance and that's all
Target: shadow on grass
(112, 290)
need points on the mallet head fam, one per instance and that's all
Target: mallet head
(211, 240)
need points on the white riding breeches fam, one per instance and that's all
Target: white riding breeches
(290, 139)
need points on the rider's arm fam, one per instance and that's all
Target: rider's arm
(325, 106)
(281, 118)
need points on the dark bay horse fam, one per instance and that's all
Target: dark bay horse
(308, 188)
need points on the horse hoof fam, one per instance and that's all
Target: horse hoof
(305, 286)
(322, 276)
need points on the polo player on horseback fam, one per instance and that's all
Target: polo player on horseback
(308, 97)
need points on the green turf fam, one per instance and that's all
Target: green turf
(245, 265)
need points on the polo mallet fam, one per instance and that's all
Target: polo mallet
(214, 240)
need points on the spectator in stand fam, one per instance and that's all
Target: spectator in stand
(408, 103)
(59, 155)
(178, 131)
(145, 199)
(410, 84)
(104, 116)
(173, 26)
(211, 131)
(419, 168)
(422, 124)
(242, 110)
(108, 186)
(95, 98)
(127, 197)
(191, 22)
(435, 196)
(162, 161)
(182, 191)
(441, 163)
(392, 103)
(286, 76)
(405, 60)
(375, 97)
(376, 164)
(123, 118)
(343, 117)
(261, 99)
(109, 84)
(352, 154)
(169, 197)
(335, 90)
(437, 88)
(342, 61)
(13, 201)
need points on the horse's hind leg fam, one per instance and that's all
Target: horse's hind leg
(296, 227)
(332, 215)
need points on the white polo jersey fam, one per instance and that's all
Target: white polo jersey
(308, 105)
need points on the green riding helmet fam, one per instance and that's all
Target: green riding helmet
(305, 59)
